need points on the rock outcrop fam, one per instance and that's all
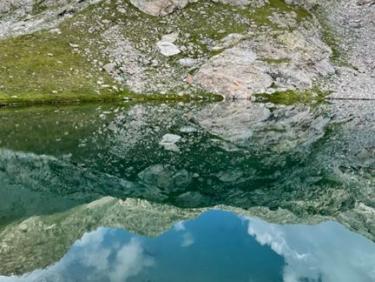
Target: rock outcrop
(165, 7)
(266, 64)
(159, 7)
(169, 46)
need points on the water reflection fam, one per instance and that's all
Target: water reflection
(310, 160)
(66, 173)
(216, 246)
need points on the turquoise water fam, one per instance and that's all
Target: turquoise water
(125, 192)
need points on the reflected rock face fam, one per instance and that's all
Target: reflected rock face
(309, 160)
(249, 67)
(264, 126)
(253, 249)
(285, 164)
(39, 241)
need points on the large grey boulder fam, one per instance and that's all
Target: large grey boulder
(267, 63)
(159, 7)
(18, 17)
(7, 6)
(165, 7)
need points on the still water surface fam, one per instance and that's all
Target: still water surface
(125, 192)
(217, 246)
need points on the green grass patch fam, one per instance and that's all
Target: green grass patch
(44, 64)
(38, 7)
(332, 39)
(44, 68)
(71, 98)
(308, 97)
(196, 23)
(63, 98)
(276, 61)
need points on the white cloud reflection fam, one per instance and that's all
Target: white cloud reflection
(179, 226)
(130, 260)
(187, 237)
(326, 252)
(103, 262)
(187, 240)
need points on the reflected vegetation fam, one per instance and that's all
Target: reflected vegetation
(81, 171)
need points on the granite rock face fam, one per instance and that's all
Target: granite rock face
(159, 7)
(19, 17)
(252, 47)
(354, 24)
(8, 6)
(267, 64)
(165, 7)
(352, 28)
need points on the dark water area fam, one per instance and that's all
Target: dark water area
(235, 191)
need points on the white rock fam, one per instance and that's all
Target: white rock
(109, 68)
(159, 7)
(188, 62)
(167, 48)
(121, 10)
(172, 37)
(188, 129)
(169, 141)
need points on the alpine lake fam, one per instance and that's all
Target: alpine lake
(227, 191)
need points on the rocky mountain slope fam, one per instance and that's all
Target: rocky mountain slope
(70, 49)
(286, 163)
